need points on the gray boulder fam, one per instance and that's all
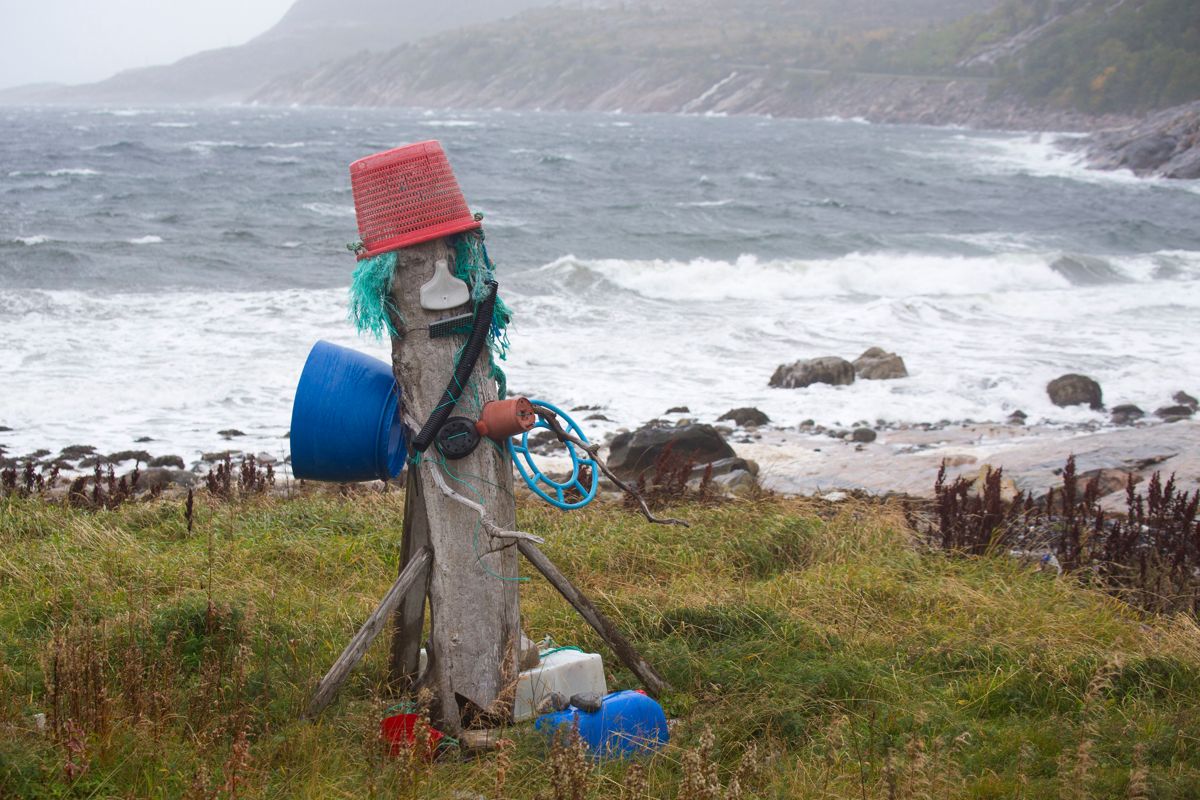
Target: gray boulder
(863, 435)
(1186, 166)
(744, 417)
(829, 369)
(1075, 390)
(1174, 413)
(729, 476)
(1148, 153)
(876, 364)
(1126, 414)
(631, 454)
(128, 455)
(162, 477)
(1185, 399)
(168, 461)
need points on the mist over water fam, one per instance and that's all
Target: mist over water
(164, 273)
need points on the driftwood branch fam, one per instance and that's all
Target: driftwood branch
(493, 530)
(593, 450)
(328, 688)
(655, 684)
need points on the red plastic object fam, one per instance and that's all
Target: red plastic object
(398, 732)
(501, 419)
(407, 196)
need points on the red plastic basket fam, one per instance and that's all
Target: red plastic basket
(399, 732)
(407, 196)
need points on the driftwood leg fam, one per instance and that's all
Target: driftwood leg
(655, 684)
(417, 568)
(409, 618)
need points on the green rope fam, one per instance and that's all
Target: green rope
(371, 304)
(554, 650)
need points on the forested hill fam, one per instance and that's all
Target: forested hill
(992, 63)
(1092, 55)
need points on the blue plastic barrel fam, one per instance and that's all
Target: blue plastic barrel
(346, 418)
(628, 723)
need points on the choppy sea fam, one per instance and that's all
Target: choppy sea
(163, 272)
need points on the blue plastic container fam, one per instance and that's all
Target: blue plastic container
(346, 418)
(628, 723)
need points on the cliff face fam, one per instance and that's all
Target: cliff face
(1165, 144)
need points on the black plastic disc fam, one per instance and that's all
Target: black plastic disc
(457, 438)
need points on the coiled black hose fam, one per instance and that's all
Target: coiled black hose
(462, 372)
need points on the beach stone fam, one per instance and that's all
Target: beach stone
(1017, 417)
(75, 452)
(1185, 399)
(167, 461)
(1075, 390)
(679, 410)
(863, 435)
(744, 417)
(1108, 480)
(828, 369)
(634, 453)
(729, 475)
(230, 433)
(950, 462)
(36, 454)
(129, 455)
(5, 429)
(543, 442)
(143, 440)
(154, 478)
(1174, 413)
(876, 364)
(1008, 487)
(212, 458)
(596, 418)
(1126, 414)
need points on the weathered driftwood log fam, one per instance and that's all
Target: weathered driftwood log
(409, 619)
(474, 613)
(411, 575)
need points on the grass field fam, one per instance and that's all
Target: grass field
(828, 654)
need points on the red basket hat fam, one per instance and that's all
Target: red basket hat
(407, 196)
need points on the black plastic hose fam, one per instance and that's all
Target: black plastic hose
(462, 372)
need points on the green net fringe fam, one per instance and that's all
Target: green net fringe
(373, 311)
(371, 305)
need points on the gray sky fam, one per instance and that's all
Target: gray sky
(78, 41)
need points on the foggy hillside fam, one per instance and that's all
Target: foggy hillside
(310, 33)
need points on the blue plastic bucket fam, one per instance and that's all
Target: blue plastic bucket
(346, 418)
(628, 723)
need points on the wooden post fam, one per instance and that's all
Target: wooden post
(473, 606)
(409, 618)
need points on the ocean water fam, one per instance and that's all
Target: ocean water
(163, 273)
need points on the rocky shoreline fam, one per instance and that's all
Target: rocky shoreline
(741, 451)
(1165, 144)
(739, 454)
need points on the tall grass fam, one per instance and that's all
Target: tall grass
(816, 650)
